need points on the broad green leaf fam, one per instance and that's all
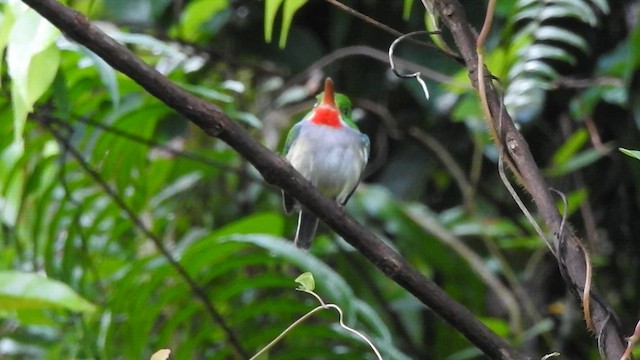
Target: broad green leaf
(290, 8)
(7, 18)
(306, 282)
(270, 10)
(632, 153)
(19, 290)
(32, 61)
(31, 35)
(42, 71)
(338, 290)
(263, 223)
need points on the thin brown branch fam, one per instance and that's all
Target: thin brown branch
(163, 147)
(572, 255)
(277, 171)
(371, 21)
(382, 56)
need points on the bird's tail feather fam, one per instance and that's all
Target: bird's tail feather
(307, 225)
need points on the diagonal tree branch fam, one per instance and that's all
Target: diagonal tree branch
(276, 171)
(566, 246)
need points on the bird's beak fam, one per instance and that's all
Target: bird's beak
(328, 94)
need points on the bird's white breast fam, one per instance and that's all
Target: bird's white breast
(332, 159)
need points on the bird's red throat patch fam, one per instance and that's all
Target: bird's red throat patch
(326, 115)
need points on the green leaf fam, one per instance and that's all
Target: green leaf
(569, 9)
(330, 281)
(306, 282)
(535, 67)
(632, 153)
(24, 291)
(497, 325)
(180, 185)
(7, 18)
(406, 9)
(603, 5)
(197, 14)
(206, 92)
(32, 61)
(263, 223)
(571, 146)
(107, 73)
(270, 10)
(574, 200)
(540, 51)
(578, 161)
(561, 35)
(290, 8)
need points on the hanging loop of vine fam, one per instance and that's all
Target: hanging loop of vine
(417, 74)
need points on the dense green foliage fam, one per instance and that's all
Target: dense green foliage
(100, 168)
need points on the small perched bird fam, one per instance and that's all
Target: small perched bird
(327, 148)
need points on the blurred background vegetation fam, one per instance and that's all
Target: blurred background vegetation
(100, 160)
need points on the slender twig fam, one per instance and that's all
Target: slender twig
(196, 289)
(156, 144)
(384, 27)
(549, 356)
(322, 306)
(379, 55)
(365, 18)
(631, 342)
(164, 147)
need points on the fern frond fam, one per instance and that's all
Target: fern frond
(547, 30)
